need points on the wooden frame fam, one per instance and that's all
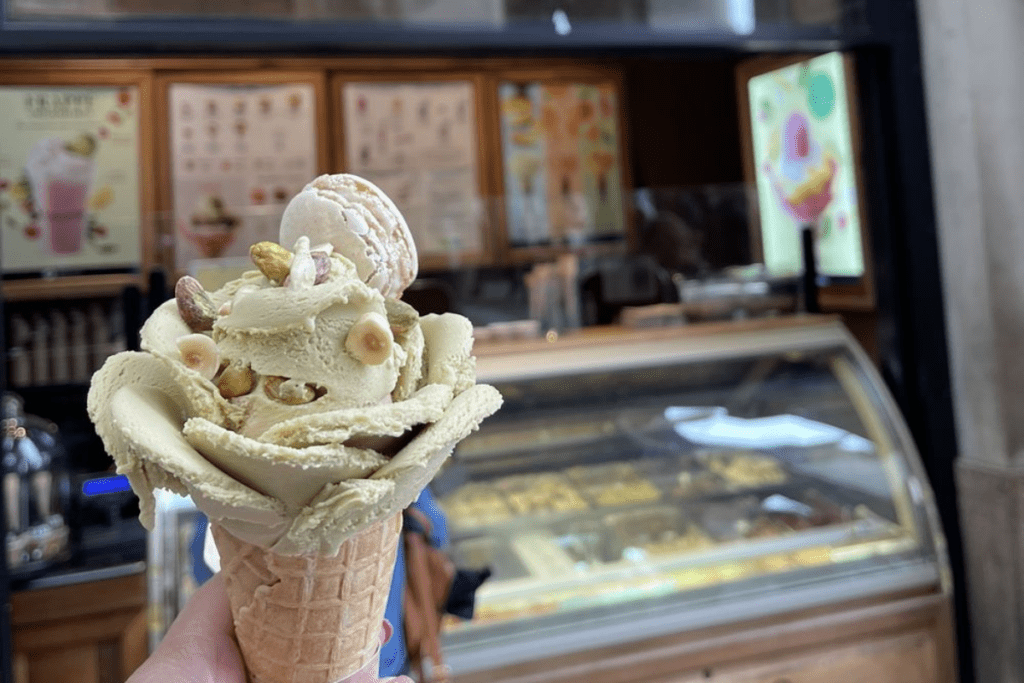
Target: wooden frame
(861, 295)
(559, 72)
(43, 73)
(216, 74)
(428, 259)
(328, 76)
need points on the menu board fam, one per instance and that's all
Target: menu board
(418, 143)
(69, 178)
(239, 153)
(563, 176)
(805, 166)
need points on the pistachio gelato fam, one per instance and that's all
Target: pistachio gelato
(303, 402)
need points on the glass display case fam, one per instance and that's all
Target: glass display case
(644, 484)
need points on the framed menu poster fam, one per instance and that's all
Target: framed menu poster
(239, 147)
(562, 160)
(418, 140)
(72, 152)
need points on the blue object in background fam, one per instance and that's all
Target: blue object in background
(201, 572)
(392, 655)
(116, 484)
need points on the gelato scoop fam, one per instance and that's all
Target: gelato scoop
(303, 402)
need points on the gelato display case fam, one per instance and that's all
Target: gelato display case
(659, 492)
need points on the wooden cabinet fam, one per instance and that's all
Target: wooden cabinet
(900, 639)
(906, 658)
(92, 632)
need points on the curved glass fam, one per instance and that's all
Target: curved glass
(695, 469)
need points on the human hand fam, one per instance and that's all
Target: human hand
(200, 646)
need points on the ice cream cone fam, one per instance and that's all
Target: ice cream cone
(309, 618)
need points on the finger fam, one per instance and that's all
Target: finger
(199, 647)
(209, 607)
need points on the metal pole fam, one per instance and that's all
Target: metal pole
(809, 283)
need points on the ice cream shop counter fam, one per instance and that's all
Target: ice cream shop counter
(736, 502)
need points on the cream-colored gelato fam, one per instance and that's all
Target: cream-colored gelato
(298, 404)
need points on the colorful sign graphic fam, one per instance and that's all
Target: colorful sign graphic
(563, 180)
(806, 167)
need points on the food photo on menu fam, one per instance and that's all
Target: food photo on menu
(238, 153)
(69, 181)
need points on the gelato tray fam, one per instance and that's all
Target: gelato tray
(596, 540)
(492, 553)
(713, 472)
(478, 504)
(655, 531)
(475, 505)
(543, 493)
(615, 484)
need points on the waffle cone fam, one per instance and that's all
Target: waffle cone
(309, 618)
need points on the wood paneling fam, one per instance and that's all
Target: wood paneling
(762, 647)
(906, 658)
(91, 632)
(80, 663)
(69, 287)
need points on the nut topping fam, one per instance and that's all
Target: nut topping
(272, 259)
(323, 266)
(370, 339)
(200, 353)
(289, 391)
(194, 305)
(236, 380)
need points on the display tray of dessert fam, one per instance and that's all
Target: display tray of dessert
(511, 501)
(617, 484)
(798, 514)
(742, 525)
(552, 493)
(607, 555)
(491, 552)
(654, 531)
(708, 471)
(541, 493)
(475, 504)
